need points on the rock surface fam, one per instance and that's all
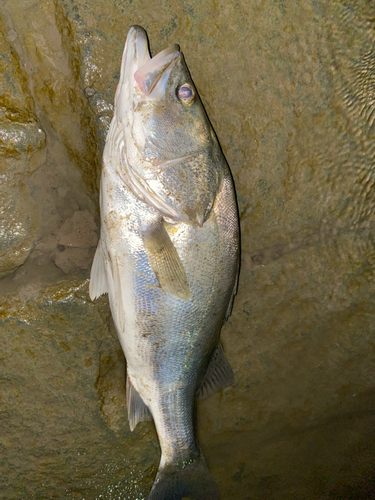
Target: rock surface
(21, 139)
(288, 87)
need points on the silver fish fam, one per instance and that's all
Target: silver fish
(167, 256)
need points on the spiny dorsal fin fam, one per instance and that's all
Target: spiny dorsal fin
(137, 410)
(219, 375)
(165, 261)
(98, 280)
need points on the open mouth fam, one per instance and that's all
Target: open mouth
(148, 76)
(151, 74)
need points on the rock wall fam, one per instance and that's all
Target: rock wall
(289, 89)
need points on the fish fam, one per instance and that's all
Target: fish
(168, 256)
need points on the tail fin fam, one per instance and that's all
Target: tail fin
(190, 482)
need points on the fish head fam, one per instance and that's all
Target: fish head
(168, 135)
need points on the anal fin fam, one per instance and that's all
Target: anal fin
(137, 410)
(219, 375)
(165, 261)
(98, 280)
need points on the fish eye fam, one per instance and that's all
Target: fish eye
(186, 93)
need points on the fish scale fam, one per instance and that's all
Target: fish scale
(170, 268)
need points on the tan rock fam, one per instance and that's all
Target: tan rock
(288, 87)
(21, 142)
(78, 231)
(68, 259)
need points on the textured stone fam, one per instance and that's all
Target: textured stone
(43, 44)
(60, 434)
(78, 231)
(288, 87)
(68, 259)
(21, 139)
(75, 243)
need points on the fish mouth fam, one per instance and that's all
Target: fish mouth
(140, 71)
(152, 75)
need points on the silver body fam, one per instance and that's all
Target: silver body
(168, 341)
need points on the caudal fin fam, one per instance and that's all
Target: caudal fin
(190, 482)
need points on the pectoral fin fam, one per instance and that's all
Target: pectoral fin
(219, 375)
(98, 280)
(165, 261)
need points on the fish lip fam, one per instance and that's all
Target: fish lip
(135, 53)
(136, 56)
(138, 36)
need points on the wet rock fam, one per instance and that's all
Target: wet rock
(68, 259)
(78, 231)
(43, 43)
(57, 423)
(76, 242)
(289, 90)
(20, 138)
(21, 149)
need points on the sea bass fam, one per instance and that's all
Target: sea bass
(167, 256)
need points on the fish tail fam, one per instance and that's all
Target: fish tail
(190, 482)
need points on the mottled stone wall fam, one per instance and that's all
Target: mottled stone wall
(289, 88)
